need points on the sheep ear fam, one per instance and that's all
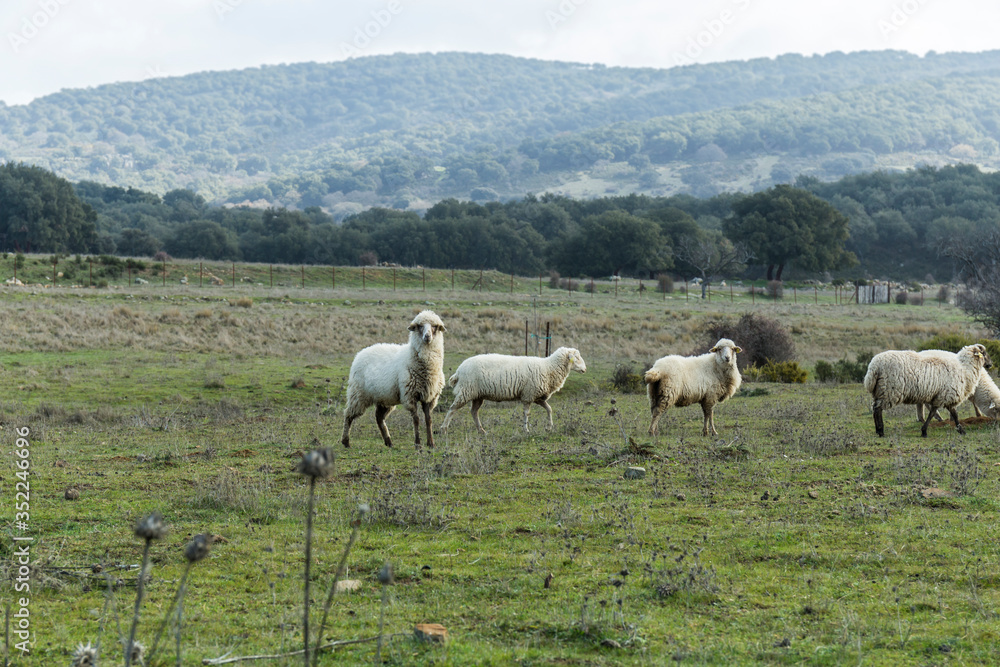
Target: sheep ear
(738, 349)
(412, 327)
(714, 349)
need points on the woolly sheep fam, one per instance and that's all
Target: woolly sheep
(499, 377)
(386, 375)
(708, 379)
(897, 377)
(985, 399)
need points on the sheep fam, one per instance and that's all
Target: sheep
(387, 374)
(985, 399)
(708, 379)
(500, 377)
(939, 380)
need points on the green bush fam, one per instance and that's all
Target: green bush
(843, 371)
(953, 342)
(626, 380)
(788, 372)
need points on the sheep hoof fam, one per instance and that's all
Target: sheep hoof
(960, 429)
(346, 442)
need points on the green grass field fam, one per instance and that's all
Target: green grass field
(796, 536)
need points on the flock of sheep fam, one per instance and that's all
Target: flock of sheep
(386, 375)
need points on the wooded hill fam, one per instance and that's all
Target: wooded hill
(406, 131)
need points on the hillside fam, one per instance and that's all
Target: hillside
(408, 130)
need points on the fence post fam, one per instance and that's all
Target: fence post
(547, 338)
(526, 338)
(423, 278)
(394, 279)
(730, 294)
(795, 294)
(815, 295)
(539, 284)
(453, 279)
(480, 281)
(303, 275)
(201, 275)
(753, 294)
(363, 287)
(270, 273)
(512, 282)
(91, 262)
(54, 277)
(333, 277)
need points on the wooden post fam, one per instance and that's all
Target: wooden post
(363, 279)
(201, 275)
(234, 274)
(333, 277)
(708, 291)
(815, 294)
(592, 290)
(539, 283)
(640, 287)
(512, 282)
(753, 294)
(526, 338)
(480, 281)
(270, 273)
(91, 262)
(303, 276)
(730, 294)
(54, 277)
(795, 294)
(164, 273)
(453, 279)
(547, 339)
(423, 278)
(616, 287)
(394, 279)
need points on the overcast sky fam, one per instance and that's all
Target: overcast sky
(53, 44)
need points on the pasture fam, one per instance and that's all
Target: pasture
(796, 536)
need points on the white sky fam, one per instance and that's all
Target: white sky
(48, 45)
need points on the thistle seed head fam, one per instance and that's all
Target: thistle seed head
(198, 547)
(317, 463)
(151, 527)
(84, 656)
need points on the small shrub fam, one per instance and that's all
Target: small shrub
(626, 380)
(775, 289)
(162, 256)
(665, 283)
(762, 339)
(569, 285)
(944, 294)
(843, 371)
(788, 372)
(242, 302)
(553, 279)
(902, 297)
(368, 258)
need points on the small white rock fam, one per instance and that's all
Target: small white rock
(635, 472)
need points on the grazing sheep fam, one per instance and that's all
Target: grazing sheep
(708, 379)
(386, 375)
(499, 377)
(940, 380)
(985, 399)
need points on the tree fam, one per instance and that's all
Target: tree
(613, 242)
(711, 254)
(41, 212)
(979, 261)
(785, 224)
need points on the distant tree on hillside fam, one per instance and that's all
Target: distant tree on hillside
(710, 254)
(979, 261)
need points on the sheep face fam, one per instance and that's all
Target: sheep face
(427, 325)
(726, 350)
(578, 364)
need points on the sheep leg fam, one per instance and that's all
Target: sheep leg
(954, 417)
(416, 426)
(654, 427)
(346, 438)
(427, 422)
(930, 414)
(527, 408)
(879, 425)
(457, 405)
(709, 425)
(381, 412)
(545, 404)
(976, 408)
(476, 404)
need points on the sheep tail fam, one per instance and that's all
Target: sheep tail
(453, 380)
(651, 376)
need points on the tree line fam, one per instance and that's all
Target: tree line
(874, 225)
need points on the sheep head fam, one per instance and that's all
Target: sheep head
(426, 325)
(726, 351)
(576, 360)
